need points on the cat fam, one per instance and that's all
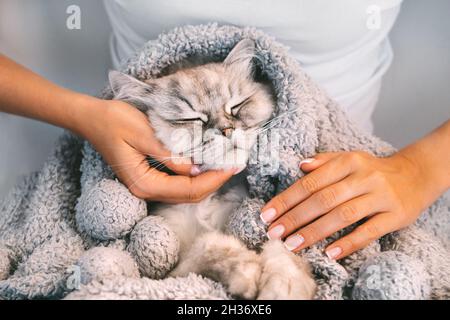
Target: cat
(213, 113)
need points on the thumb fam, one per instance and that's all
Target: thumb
(310, 164)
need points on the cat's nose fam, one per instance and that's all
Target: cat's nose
(227, 132)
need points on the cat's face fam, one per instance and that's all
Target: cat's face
(211, 113)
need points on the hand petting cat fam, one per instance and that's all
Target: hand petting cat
(120, 132)
(123, 136)
(386, 194)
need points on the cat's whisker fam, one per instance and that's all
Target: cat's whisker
(142, 176)
(114, 147)
(147, 154)
(170, 157)
(126, 169)
(159, 159)
(157, 164)
(134, 164)
(132, 160)
(273, 122)
(197, 147)
(127, 165)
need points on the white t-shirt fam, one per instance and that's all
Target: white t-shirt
(341, 44)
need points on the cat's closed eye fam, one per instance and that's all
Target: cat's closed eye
(187, 120)
(234, 110)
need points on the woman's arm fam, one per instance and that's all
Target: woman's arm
(120, 132)
(344, 188)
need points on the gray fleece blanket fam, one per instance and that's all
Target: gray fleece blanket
(42, 247)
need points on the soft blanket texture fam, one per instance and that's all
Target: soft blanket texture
(57, 234)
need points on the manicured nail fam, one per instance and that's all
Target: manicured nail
(276, 232)
(293, 242)
(195, 170)
(304, 161)
(268, 215)
(333, 253)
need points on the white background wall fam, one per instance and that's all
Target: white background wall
(415, 97)
(34, 33)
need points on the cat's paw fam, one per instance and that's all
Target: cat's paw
(285, 276)
(223, 259)
(276, 286)
(244, 278)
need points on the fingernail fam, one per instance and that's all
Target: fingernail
(268, 215)
(293, 242)
(195, 170)
(333, 253)
(276, 232)
(304, 161)
(238, 170)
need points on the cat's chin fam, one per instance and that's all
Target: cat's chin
(235, 159)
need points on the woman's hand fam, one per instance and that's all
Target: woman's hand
(124, 137)
(120, 132)
(387, 194)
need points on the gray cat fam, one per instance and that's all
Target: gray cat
(213, 114)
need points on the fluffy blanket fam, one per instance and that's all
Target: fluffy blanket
(46, 252)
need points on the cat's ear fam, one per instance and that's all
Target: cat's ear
(241, 56)
(132, 90)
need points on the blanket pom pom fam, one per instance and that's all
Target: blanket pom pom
(108, 210)
(102, 263)
(154, 246)
(392, 275)
(246, 225)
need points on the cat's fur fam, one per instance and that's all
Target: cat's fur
(213, 114)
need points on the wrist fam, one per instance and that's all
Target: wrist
(427, 172)
(84, 115)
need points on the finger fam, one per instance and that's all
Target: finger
(344, 215)
(148, 144)
(331, 172)
(319, 159)
(376, 227)
(319, 203)
(176, 189)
